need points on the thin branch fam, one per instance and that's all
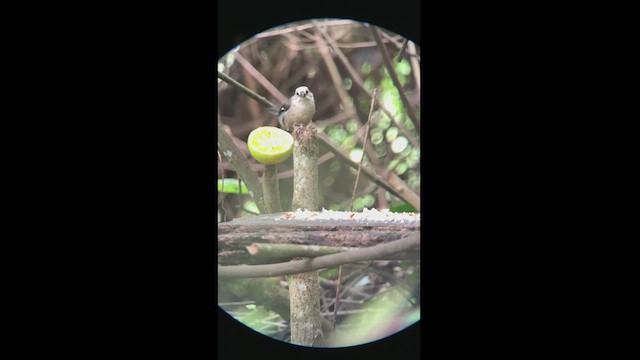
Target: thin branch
(263, 250)
(415, 66)
(402, 50)
(322, 262)
(346, 204)
(357, 79)
(404, 189)
(270, 189)
(281, 31)
(241, 165)
(337, 301)
(224, 216)
(364, 145)
(326, 142)
(261, 79)
(224, 77)
(394, 77)
(344, 97)
(340, 117)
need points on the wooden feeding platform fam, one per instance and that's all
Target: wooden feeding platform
(321, 228)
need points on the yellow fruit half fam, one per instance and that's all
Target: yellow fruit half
(270, 145)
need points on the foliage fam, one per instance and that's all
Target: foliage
(381, 297)
(278, 60)
(232, 186)
(261, 320)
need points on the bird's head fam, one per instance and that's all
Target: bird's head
(304, 92)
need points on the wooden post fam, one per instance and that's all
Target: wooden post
(271, 190)
(304, 288)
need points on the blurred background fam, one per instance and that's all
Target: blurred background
(341, 63)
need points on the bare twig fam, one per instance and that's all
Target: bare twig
(241, 165)
(270, 189)
(402, 49)
(306, 26)
(322, 262)
(293, 250)
(261, 79)
(396, 43)
(285, 30)
(366, 137)
(404, 189)
(339, 117)
(370, 189)
(344, 97)
(224, 77)
(415, 66)
(357, 79)
(326, 142)
(224, 216)
(394, 77)
(337, 302)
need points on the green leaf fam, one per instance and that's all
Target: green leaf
(232, 186)
(402, 208)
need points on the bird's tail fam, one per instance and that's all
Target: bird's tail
(274, 110)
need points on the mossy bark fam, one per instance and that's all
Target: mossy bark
(305, 169)
(304, 288)
(305, 319)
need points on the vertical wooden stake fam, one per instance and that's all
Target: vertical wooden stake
(304, 288)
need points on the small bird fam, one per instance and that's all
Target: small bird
(299, 109)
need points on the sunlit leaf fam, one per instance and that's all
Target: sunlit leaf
(381, 317)
(401, 168)
(232, 186)
(355, 155)
(384, 122)
(369, 200)
(366, 67)
(251, 207)
(376, 136)
(351, 126)
(399, 144)
(402, 208)
(391, 134)
(347, 83)
(403, 67)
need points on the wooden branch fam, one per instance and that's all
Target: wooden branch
(357, 79)
(261, 99)
(327, 143)
(402, 50)
(293, 250)
(345, 100)
(271, 189)
(364, 146)
(234, 236)
(258, 76)
(232, 247)
(241, 165)
(386, 59)
(305, 169)
(404, 189)
(322, 262)
(304, 287)
(304, 298)
(415, 66)
(262, 253)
